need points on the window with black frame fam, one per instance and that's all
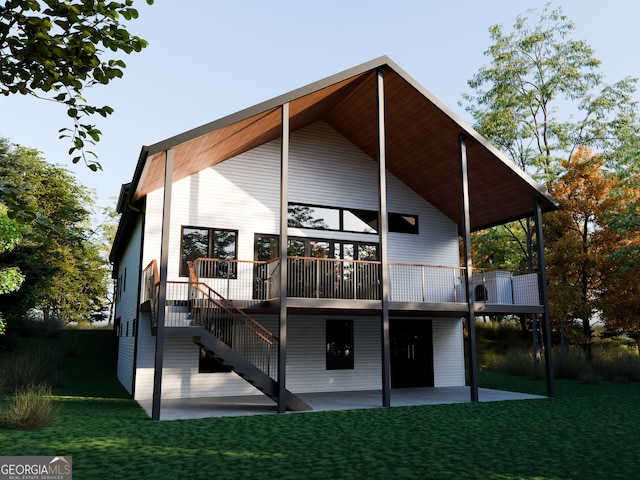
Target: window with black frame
(339, 343)
(344, 219)
(201, 242)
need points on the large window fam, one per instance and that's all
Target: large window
(200, 242)
(266, 248)
(339, 344)
(347, 219)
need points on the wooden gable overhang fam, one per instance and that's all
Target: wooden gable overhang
(422, 144)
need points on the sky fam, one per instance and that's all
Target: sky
(210, 58)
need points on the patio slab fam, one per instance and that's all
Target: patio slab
(211, 407)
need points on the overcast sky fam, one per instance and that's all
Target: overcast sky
(211, 58)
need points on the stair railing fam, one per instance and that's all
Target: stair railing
(231, 325)
(151, 285)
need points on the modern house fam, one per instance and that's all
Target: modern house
(313, 243)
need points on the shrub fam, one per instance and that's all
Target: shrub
(31, 407)
(25, 368)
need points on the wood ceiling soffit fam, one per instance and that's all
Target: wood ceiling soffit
(154, 175)
(355, 118)
(224, 143)
(212, 148)
(316, 105)
(227, 142)
(422, 146)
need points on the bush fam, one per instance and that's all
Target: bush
(25, 368)
(31, 407)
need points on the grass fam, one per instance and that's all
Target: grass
(587, 431)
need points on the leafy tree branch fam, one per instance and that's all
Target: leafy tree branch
(55, 49)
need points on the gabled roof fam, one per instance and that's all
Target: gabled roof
(421, 143)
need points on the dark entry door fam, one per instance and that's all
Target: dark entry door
(411, 353)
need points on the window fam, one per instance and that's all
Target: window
(348, 219)
(266, 248)
(402, 223)
(199, 242)
(339, 344)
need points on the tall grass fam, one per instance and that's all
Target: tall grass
(31, 407)
(503, 347)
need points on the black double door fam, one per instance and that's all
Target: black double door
(411, 353)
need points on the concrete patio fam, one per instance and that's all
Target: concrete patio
(192, 408)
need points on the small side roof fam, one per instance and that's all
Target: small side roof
(422, 145)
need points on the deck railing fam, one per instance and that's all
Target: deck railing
(330, 278)
(426, 283)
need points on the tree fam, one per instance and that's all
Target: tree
(620, 298)
(10, 276)
(55, 49)
(543, 95)
(64, 273)
(541, 98)
(578, 244)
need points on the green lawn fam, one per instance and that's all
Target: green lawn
(587, 431)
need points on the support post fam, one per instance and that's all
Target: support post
(284, 217)
(466, 237)
(382, 235)
(544, 298)
(162, 287)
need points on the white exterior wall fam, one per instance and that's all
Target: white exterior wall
(243, 194)
(448, 353)
(127, 304)
(306, 354)
(145, 359)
